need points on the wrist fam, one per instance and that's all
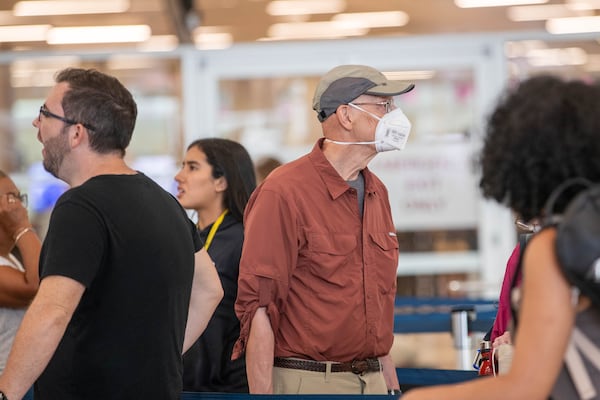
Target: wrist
(394, 391)
(18, 235)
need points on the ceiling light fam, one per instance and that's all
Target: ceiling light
(409, 75)
(303, 7)
(557, 57)
(159, 43)
(583, 4)
(523, 47)
(542, 12)
(495, 3)
(213, 41)
(315, 30)
(373, 19)
(212, 37)
(63, 7)
(211, 29)
(23, 33)
(99, 34)
(573, 25)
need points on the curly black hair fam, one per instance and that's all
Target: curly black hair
(541, 133)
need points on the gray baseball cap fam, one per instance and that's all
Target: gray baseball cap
(345, 83)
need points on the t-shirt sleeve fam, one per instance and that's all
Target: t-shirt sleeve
(198, 242)
(75, 243)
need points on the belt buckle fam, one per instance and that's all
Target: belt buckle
(359, 367)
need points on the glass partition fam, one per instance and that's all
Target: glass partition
(157, 140)
(572, 59)
(432, 183)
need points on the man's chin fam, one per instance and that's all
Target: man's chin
(50, 170)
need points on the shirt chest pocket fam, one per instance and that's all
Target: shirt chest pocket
(331, 251)
(385, 251)
(385, 241)
(335, 244)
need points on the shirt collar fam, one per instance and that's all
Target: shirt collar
(333, 181)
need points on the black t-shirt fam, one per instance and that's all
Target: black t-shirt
(207, 365)
(131, 245)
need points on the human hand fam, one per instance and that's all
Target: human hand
(502, 339)
(13, 215)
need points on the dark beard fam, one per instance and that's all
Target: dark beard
(56, 150)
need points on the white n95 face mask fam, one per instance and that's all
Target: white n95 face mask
(391, 133)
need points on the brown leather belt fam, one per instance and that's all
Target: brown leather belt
(358, 367)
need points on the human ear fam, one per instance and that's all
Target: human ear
(344, 116)
(76, 136)
(221, 184)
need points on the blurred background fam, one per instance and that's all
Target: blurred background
(246, 70)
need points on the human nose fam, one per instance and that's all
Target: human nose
(179, 176)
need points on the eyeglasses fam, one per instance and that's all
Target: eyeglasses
(48, 114)
(13, 197)
(389, 105)
(527, 227)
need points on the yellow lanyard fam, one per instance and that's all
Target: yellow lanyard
(213, 229)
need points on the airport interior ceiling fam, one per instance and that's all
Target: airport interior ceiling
(549, 34)
(85, 24)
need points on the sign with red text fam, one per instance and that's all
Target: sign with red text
(431, 186)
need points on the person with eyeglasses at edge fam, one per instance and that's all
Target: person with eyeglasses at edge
(19, 258)
(125, 286)
(318, 269)
(499, 333)
(541, 134)
(19, 278)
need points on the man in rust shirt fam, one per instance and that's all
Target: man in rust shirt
(318, 270)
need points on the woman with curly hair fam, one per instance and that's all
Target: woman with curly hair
(216, 180)
(542, 133)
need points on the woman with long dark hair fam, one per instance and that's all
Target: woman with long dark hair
(216, 179)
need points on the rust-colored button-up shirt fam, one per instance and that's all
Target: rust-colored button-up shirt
(326, 277)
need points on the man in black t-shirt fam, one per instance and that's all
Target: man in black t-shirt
(126, 286)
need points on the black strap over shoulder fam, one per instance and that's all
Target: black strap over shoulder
(551, 218)
(578, 235)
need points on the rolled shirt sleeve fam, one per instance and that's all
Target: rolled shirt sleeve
(268, 259)
(326, 276)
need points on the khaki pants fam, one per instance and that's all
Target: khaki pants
(297, 381)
